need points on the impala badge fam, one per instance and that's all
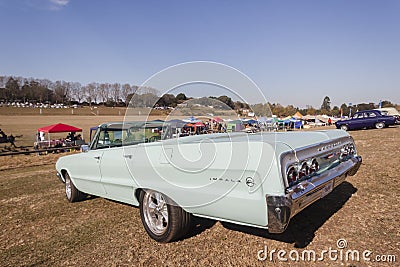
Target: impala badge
(249, 182)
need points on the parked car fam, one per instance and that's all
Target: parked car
(390, 112)
(366, 119)
(260, 180)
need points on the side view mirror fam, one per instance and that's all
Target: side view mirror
(84, 148)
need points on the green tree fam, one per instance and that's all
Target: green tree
(335, 111)
(278, 109)
(364, 106)
(387, 104)
(61, 91)
(181, 97)
(262, 110)
(326, 103)
(167, 100)
(311, 110)
(227, 101)
(27, 92)
(12, 89)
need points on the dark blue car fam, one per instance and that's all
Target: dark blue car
(366, 119)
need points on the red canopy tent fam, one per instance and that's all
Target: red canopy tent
(55, 128)
(59, 128)
(196, 124)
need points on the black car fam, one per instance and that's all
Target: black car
(366, 119)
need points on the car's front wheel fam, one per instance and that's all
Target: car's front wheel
(71, 192)
(379, 125)
(344, 127)
(162, 219)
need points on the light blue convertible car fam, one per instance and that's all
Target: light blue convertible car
(259, 180)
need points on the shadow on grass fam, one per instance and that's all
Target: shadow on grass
(199, 225)
(302, 227)
(87, 197)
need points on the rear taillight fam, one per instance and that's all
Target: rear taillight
(347, 150)
(304, 170)
(292, 174)
(314, 166)
(309, 167)
(297, 171)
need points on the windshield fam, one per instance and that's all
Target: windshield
(107, 137)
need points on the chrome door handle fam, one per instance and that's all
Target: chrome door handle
(97, 157)
(128, 156)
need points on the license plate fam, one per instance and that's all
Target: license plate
(327, 189)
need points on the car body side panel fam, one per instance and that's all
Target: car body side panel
(116, 178)
(211, 185)
(84, 171)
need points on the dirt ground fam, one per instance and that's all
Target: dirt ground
(39, 227)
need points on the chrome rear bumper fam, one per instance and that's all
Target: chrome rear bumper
(282, 208)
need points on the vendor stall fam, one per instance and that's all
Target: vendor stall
(70, 140)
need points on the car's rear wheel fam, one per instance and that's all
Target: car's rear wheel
(71, 192)
(162, 219)
(379, 125)
(344, 127)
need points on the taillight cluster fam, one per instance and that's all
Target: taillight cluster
(302, 169)
(347, 150)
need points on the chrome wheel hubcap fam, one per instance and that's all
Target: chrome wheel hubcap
(68, 188)
(155, 212)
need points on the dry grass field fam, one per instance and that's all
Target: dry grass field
(39, 227)
(24, 122)
(26, 125)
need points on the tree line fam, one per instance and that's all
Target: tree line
(335, 111)
(115, 94)
(45, 91)
(20, 89)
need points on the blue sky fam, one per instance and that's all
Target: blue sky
(296, 51)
